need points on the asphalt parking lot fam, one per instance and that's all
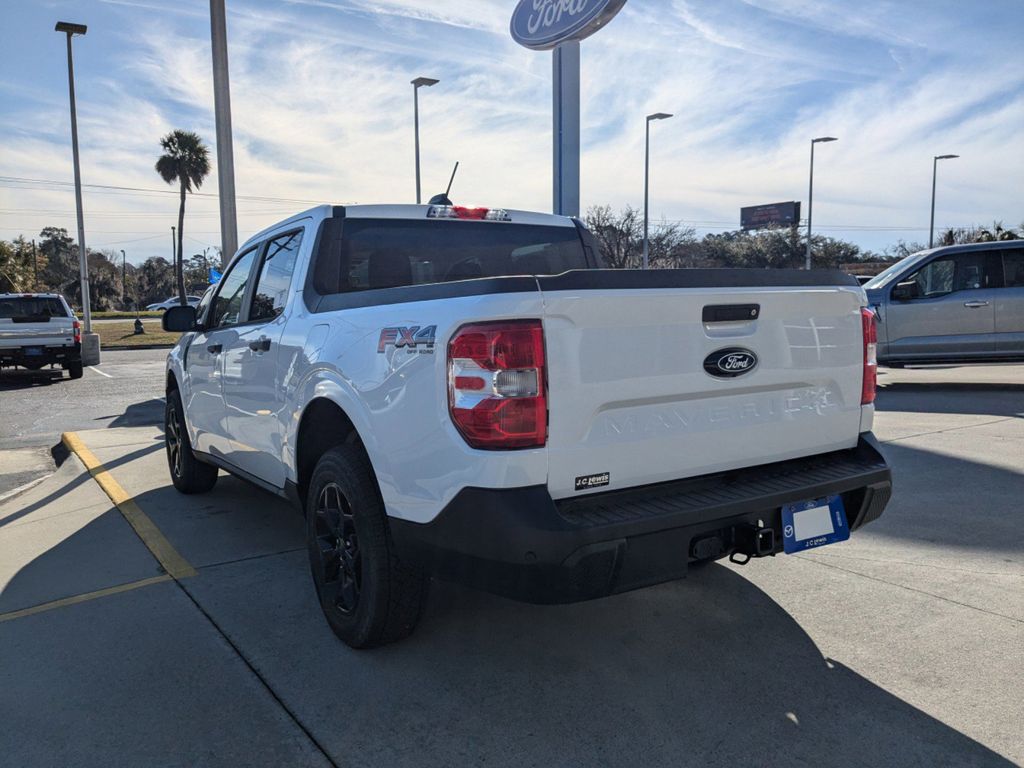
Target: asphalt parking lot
(903, 646)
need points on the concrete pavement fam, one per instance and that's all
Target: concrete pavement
(903, 646)
(126, 389)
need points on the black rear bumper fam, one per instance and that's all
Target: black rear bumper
(520, 543)
(57, 354)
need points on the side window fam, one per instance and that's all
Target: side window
(954, 273)
(227, 306)
(1013, 268)
(934, 279)
(203, 307)
(271, 291)
(970, 272)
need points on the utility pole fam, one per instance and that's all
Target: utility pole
(935, 171)
(124, 278)
(174, 254)
(83, 264)
(810, 196)
(647, 180)
(418, 83)
(35, 267)
(225, 148)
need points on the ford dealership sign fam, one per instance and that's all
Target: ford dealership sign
(543, 24)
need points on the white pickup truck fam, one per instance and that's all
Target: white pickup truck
(39, 330)
(466, 393)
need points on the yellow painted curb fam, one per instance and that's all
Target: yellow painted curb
(82, 598)
(177, 567)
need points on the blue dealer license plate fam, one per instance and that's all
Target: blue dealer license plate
(815, 523)
(33, 351)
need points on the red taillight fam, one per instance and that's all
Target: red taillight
(868, 323)
(461, 212)
(496, 384)
(78, 331)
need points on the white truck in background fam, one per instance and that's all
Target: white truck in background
(465, 393)
(39, 330)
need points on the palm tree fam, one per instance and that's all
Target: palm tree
(185, 160)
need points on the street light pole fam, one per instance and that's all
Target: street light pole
(124, 277)
(647, 179)
(810, 196)
(83, 264)
(935, 169)
(418, 83)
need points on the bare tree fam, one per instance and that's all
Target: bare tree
(620, 236)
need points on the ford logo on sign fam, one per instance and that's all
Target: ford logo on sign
(543, 24)
(729, 363)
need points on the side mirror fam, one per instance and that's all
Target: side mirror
(905, 291)
(181, 319)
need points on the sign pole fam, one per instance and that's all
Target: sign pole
(566, 125)
(559, 25)
(225, 147)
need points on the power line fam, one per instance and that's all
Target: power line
(21, 182)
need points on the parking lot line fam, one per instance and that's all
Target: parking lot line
(74, 600)
(101, 373)
(176, 566)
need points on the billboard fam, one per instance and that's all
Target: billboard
(777, 214)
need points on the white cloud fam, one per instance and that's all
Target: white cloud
(322, 111)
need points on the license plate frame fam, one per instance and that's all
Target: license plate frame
(807, 525)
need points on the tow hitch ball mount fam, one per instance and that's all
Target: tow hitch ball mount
(751, 541)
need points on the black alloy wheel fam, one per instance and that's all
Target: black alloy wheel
(339, 562)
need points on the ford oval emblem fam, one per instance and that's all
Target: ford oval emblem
(730, 363)
(542, 24)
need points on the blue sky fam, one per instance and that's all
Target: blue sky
(323, 110)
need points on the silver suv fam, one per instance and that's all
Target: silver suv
(959, 304)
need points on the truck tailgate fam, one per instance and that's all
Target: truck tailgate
(629, 396)
(57, 331)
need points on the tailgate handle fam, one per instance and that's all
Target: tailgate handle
(731, 313)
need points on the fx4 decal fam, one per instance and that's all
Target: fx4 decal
(410, 339)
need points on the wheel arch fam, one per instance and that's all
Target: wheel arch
(324, 424)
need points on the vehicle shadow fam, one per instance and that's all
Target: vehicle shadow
(962, 517)
(995, 399)
(709, 671)
(11, 380)
(139, 414)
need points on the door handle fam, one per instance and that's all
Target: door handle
(214, 349)
(261, 344)
(975, 304)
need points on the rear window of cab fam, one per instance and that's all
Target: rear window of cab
(389, 253)
(31, 308)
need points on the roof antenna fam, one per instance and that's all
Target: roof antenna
(444, 199)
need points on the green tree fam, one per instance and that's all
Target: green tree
(154, 279)
(60, 273)
(197, 274)
(18, 266)
(186, 160)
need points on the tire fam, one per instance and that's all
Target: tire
(188, 474)
(75, 370)
(368, 596)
